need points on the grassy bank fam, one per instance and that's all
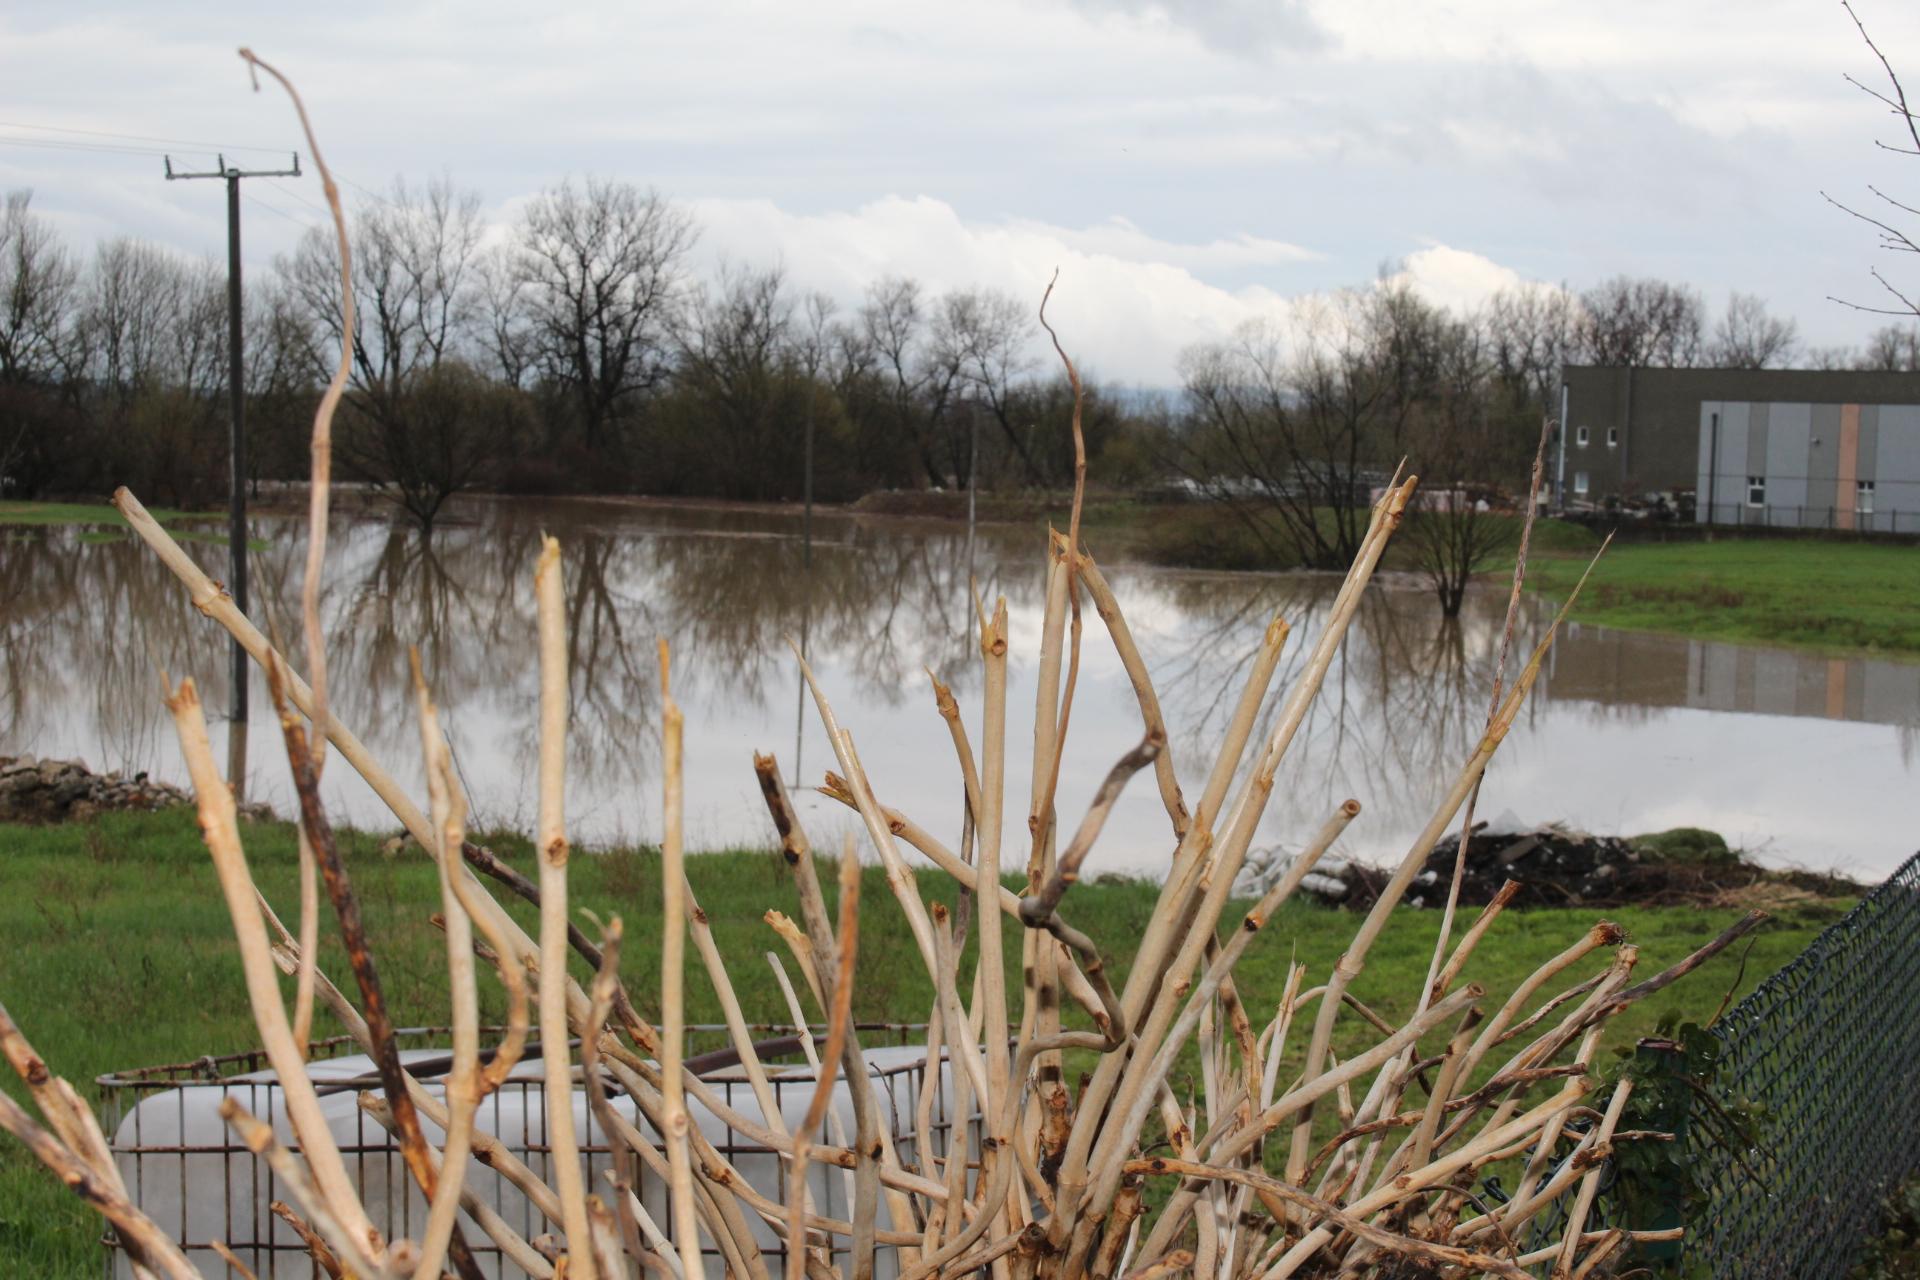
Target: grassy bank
(1833, 596)
(120, 954)
(100, 522)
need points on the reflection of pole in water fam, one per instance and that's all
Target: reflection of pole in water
(973, 471)
(806, 491)
(806, 619)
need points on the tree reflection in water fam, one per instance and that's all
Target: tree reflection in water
(88, 624)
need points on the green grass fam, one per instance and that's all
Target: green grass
(119, 954)
(1816, 594)
(1201, 535)
(84, 513)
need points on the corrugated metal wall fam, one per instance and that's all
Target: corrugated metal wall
(1809, 458)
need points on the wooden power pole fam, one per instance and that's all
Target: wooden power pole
(237, 472)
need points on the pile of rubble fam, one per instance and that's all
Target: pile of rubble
(1558, 866)
(34, 790)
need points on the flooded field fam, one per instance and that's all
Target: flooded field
(1800, 758)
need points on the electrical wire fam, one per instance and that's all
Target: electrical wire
(210, 148)
(96, 148)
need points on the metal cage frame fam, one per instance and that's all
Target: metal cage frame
(248, 1185)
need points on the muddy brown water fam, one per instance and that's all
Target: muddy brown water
(1802, 759)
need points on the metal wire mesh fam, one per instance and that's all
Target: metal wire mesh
(202, 1185)
(1826, 1049)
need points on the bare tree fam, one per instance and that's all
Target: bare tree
(1748, 337)
(1893, 348)
(1465, 440)
(1531, 335)
(502, 325)
(133, 296)
(39, 299)
(919, 383)
(604, 270)
(1889, 212)
(282, 372)
(983, 334)
(441, 429)
(1293, 432)
(1839, 356)
(1647, 322)
(415, 274)
(736, 380)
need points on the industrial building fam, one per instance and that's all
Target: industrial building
(1788, 448)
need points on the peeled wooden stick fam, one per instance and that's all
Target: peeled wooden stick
(605, 981)
(1220, 1148)
(1353, 960)
(993, 991)
(1108, 607)
(491, 1152)
(1036, 907)
(812, 1055)
(673, 942)
(1493, 700)
(1143, 1091)
(555, 1057)
(1485, 1147)
(316, 1247)
(463, 1080)
(1240, 726)
(1320, 1211)
(219, 827)
(362, 1254)
(322, 442)
(1477, 931)
(1590, 1185)
(142, 1236)
(847, 945)
(1150, 960)
(943, 701)
(71, 1119)
(386, 1053)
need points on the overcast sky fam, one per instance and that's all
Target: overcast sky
(1185, 165)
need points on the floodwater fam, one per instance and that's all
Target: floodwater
(1801, 759)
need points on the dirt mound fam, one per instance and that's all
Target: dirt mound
(1557, 867)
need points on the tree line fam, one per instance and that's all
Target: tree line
(578, 352)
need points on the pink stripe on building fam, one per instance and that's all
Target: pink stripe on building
(1843, 489)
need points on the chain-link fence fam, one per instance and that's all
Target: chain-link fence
(1826, 1053)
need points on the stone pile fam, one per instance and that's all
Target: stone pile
(33, 790)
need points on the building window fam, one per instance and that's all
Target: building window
(1580, 436)
(1613, 437)
(1756, 491)
(1580, 477)
(1863, 497)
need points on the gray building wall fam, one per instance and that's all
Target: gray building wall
(1630, 668)
(1808, 465)
(1657, 415)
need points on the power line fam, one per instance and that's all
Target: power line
(293, 195)
(100, 148)
(277, 212)
(210, 147)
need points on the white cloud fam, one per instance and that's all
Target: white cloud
(1183, 151)
(1125, 306)
(1457, 279)
(1236, 27)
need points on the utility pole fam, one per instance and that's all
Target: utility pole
(237, 472)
